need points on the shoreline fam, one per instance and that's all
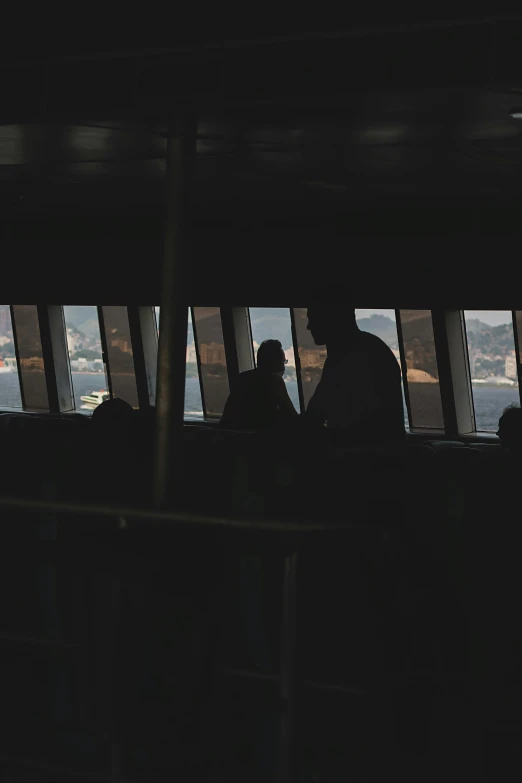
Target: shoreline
(494, 385)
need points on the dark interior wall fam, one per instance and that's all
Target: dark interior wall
(452, 257)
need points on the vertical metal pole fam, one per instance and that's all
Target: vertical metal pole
(56, 359)
(105, 353)
(138, 353)
(17, 355)
(287, 770)
(244, 344)
(229, 339)
(297, 362)
(170, 394)
(514, 315)
(404, 366)
(446, 384)
(198, 362)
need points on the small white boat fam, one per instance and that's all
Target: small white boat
(94, 399)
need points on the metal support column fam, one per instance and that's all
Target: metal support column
(243, 335)
(445, 374)
(170, 392)
(286, 771)
(144, 338)
(454, 373)
(55, 356)
(229, 337)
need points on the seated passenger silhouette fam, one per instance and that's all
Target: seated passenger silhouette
(259, 399)
(360, 388)
(114, 411)
(113, 434)
(510, 429)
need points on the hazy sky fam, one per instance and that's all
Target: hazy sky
(491, 317)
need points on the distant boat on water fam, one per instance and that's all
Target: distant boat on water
(94, 399)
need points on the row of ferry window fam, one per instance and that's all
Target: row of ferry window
(101, 362)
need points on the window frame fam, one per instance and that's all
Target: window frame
(451, 347)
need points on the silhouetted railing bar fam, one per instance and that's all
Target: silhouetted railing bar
(288, 673)
(312, 36)
(33, 764)
(35, 641)
(124, 515)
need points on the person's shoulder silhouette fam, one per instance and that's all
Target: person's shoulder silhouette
(510, 430)
(360, 389)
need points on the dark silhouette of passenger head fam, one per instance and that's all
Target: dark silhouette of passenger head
(330, 324)
(271, 357)
(510, 428)
(115, 411)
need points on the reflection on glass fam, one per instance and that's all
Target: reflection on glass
(422, 369)
(383, 325)
(211, 348)
(193, 403)
(31, 358)
(119, 354)
(273, 323)
(10, 396)
(493, 364)
(311, 356)
(85, 357)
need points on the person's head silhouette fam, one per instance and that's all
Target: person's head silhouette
(114, 412)
(330, 324)
(510, 428)
(271, 357)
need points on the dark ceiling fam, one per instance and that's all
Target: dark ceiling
(359, 127)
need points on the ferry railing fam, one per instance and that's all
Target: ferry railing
(121, 525)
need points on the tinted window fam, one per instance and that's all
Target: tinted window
(119, 354)
(27, 328)
(311, 356)
(274, 323)
(10, 396)
(382, 323)
(85, 356)
(493, 364)
(211, 348)
(193, 403)
(422, 369)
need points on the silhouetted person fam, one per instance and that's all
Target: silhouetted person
(113, 439)
(115, 411)
(360, 389)
(510, 429)
(259, 398)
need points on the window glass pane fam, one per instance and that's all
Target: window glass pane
(85, 356)
(211, 348)
(10, 396)
(422, 370)
(382, 323)
(273, 323)
(193, 403)
(311, 356)
(493, 365)
(30, 356)
(119, 354)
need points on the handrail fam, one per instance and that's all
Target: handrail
(311, 36)
(149, 517)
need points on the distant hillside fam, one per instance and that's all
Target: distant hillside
(272, 324)
(84, 318)
(488, 347)
(382, 326)
(494, 340)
